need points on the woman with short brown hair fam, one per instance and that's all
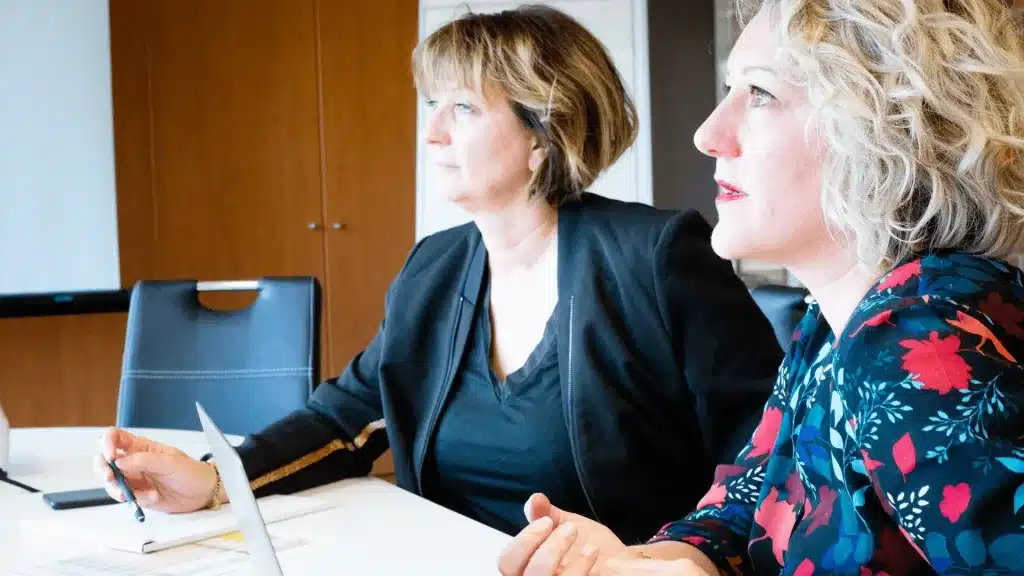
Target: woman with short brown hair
(562, 342)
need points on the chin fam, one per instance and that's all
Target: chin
(453, 194)
(728, 244)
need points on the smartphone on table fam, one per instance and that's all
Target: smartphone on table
(70, 499)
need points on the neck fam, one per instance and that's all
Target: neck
(518, 235)
(838, 283)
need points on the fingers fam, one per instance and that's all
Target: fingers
(116, 441)
(583, 564)
(136, 480)
(102, 470)
(114, 491)
(549, 555)
(516, 555)
(148, 498)
(140, 464)
(538, 506)
(106, 475)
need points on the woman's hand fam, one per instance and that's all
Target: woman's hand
(557, 542)
(163, 478)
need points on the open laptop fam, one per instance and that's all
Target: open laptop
(243, 504)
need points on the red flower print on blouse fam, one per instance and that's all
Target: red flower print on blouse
(954, 501)
(822, 513)
(766, 433)
(876, 320)
(905, 455)
(806, 568)
(869, 463)
(937, 363)
(777, 518)
(899, 276)
(714, 497)
(1003, 313)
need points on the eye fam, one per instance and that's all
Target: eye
(760, 97)
(464, 108)
(431, 104)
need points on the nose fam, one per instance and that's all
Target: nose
(435, 132)
(717, 136)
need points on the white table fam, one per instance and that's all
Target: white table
(374, 528)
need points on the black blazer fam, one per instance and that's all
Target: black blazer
(665, 365)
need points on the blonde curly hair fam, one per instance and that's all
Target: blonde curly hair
(921, 105)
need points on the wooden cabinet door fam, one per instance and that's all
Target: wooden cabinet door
(217, 134)
(234, 139)
(369, 131)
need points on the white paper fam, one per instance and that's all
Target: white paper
(115, 526)
(217, 557)
(5, 440)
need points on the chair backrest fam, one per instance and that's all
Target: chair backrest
(248, 367)
(784, 306)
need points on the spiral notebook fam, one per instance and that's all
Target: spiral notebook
(115, 527)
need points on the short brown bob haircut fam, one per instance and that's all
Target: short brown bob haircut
(558, 79)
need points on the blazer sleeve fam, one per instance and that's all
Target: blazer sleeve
(339, 434)
(724, 345)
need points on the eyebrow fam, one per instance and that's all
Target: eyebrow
(749, 69)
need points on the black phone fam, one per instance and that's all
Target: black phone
(78, 499)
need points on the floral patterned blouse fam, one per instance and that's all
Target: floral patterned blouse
(893, 449)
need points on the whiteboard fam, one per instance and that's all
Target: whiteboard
(58, 212)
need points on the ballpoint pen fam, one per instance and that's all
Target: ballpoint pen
(129, 496)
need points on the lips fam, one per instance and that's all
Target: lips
(728, 192)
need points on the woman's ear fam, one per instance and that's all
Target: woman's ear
(537, 155)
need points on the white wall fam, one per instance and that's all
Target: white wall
(58, 218)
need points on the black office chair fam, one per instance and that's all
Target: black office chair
(247, 367)
(784, 306)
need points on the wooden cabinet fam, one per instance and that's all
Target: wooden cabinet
(369, 140)
(622, 26)
(268, 137)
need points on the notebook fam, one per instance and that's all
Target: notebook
(115, 527)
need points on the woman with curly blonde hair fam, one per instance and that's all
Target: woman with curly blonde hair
(873, 147)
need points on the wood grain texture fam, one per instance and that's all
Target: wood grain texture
(227, 103)
(369, 148)
(235, 131)
(369, 130)
(129, 21)
(61, 370)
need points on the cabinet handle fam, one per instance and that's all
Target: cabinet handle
(312, 226)
(338, 226)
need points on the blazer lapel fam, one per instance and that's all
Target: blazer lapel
(568, 272)
(461, 321)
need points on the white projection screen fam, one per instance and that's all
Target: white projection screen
(58, 213)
